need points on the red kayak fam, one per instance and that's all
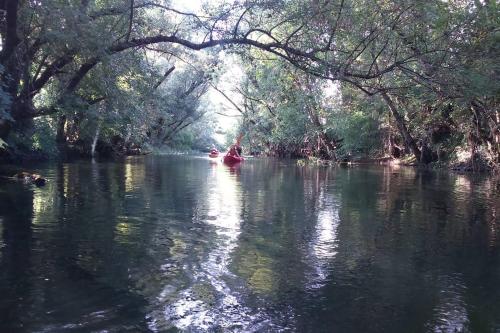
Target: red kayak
(213, 153)
(230, 159)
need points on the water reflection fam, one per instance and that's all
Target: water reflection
(2, 244)
(135, 174)
(209, 302)
(450, 313)
(322, 248)
(161, 244)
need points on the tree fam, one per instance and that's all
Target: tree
(393, 49)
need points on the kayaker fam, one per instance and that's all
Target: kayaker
(232, 156)
(238, 146)
(233, 151)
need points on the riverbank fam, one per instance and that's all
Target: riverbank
(480, 165)
(461, 164)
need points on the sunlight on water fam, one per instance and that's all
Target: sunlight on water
(42, 203)
(66, 180)
(462, 183)
(126, 228)
(450, 312)
(178, 243)
(135, 174)
(323, 245)
(123, 229)
(209, 302)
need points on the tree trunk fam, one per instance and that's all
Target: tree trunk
(323, 139)
(61, 135)
(487, 130)
(5, 127)
(403, 130)
(426, 153)
(330, 147)
(94, 142)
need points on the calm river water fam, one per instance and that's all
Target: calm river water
(167, 244)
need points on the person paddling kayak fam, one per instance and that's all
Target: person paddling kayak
(233, 155)
(238, 144)
(234, 151)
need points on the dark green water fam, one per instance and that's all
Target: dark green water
(179, 243)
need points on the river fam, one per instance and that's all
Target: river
(180, 243)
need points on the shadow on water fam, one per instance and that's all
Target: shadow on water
(52, 261)
(183, 243)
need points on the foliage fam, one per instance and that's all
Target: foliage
(407, 77)
(5, 99)
(285, 111)
(3, 144)
(43, 138)
(198, 137)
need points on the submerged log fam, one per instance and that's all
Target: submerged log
(31, 177)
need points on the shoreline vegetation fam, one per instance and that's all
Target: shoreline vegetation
(463, 165)
(459, 166)
(340, 81)
(20, 169)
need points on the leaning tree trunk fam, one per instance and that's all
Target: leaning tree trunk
(61, 135)
(94, 141)
(329, 145)
(403, 130)
(323, 139)
(486, 127)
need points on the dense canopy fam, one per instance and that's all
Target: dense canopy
(332, 79)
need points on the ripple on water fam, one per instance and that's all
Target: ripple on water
(182, 244)
(450, 312)
(214, 296)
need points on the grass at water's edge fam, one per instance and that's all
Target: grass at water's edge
(480, 166)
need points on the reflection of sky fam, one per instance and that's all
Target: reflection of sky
(450, 314)
(209, 302)
(322, 247)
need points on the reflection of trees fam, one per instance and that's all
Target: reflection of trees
(272, 205)
(71, 260)
(312, 249)
(322, 245)
(413, 228)
(450, 313)
(391, 237)
(211, 299)
(16, 209)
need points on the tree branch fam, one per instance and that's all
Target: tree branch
(131, 18)
(167, 73)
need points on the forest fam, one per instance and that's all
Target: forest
(312, 166)
(337, 80)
